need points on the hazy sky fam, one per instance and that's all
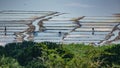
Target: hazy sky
(76, 7)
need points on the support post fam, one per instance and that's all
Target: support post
(5, 30)
(93, 31)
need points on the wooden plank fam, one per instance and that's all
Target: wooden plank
(19, 16)
(98, 24)
(52, 35)
(94, 26)
(68, 42)
(9, 19)
(91, 31)
(23, 15)
(14, 31)
(45, 33)
(53, 25)
(57, 22)
(80, 42)
(57, 31)
(14, 22)
(46, 38)
(58, 28)
(83, 27)
(13, 25)
(3, 36)
(11, 31)
(1, 33)
(84, 36)
(88, 33)
(2, 27)
(6, 42)
(7, 39)
(2, 30)
(84, 39)
(7, 33)
(81, 22)
(96, 29)
(16, 27)
(100, 29)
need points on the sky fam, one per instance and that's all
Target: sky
(74, 7)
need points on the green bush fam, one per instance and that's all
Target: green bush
(51, 45)
(8, 62)
(111, 56)
(2, 51)
(53, 55)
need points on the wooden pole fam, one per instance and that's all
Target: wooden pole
(5, 31)
(93, 31)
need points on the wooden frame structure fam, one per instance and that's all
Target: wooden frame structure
(40, 26)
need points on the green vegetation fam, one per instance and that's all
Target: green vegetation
(52, 55)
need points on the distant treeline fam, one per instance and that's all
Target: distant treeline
(52, 55)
